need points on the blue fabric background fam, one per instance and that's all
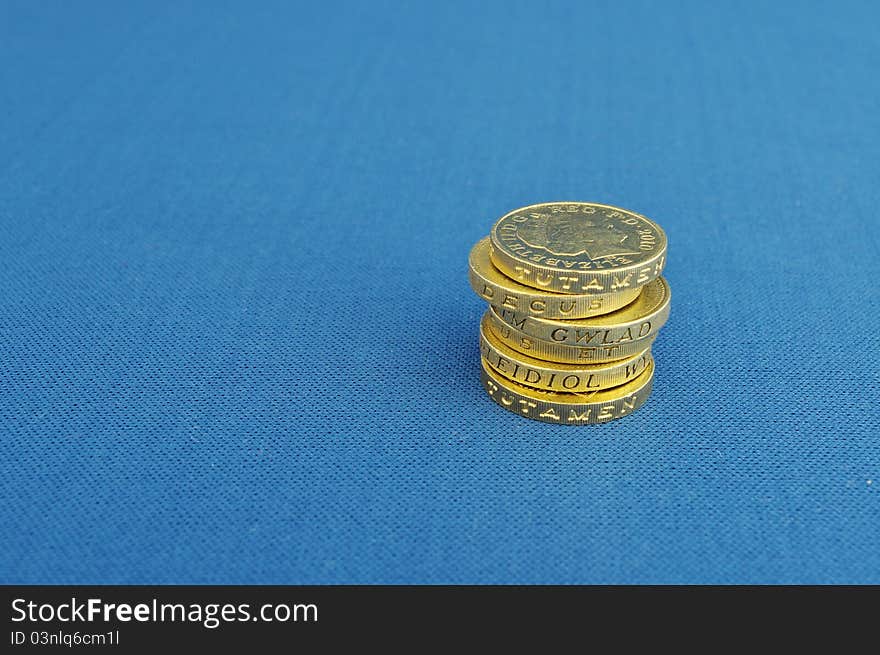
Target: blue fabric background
(239, 346)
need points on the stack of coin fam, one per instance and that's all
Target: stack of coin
(575, 302)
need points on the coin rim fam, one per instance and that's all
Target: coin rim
(562, 401)
(535, 326)
(478, 279)
(609, 373)
(552, 348)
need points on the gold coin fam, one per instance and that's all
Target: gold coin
(492, 285)
(638, 320)
(568, 408)
(578, 247)
(556, 352)
(569, 378)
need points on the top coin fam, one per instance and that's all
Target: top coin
(578, 247)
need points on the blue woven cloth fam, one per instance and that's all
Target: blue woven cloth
(238, 342)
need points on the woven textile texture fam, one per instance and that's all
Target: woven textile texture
(238, 342)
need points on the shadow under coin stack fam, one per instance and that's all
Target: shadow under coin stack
(575, 302)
